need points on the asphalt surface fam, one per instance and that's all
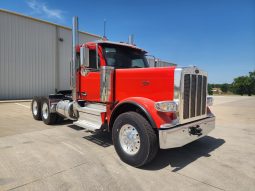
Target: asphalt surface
(34, 156)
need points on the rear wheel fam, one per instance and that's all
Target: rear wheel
(36, 108)
(134, 139)
(47, 117)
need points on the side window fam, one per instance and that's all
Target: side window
(92, 59)
(137, 63)
(110, 56)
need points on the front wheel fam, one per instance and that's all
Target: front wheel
(134, 139)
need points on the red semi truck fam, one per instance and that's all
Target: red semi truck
(144, 108)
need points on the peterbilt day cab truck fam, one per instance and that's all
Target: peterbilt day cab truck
(144, 108)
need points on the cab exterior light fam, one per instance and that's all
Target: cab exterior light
(166, 106)
(209, 100)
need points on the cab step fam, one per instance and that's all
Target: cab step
(90, 116)
(94, 108)
(87, 125)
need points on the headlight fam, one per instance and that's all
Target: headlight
(209, 100)
(166, 106)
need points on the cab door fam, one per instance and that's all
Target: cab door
(90, 78)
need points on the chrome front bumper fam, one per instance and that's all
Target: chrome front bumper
(181, 135)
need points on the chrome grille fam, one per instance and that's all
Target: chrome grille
(194, 95)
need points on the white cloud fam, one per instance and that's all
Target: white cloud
(42, 9)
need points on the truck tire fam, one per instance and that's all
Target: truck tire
(134, 139)
(47, 117)
(59, 119)
(36, 108)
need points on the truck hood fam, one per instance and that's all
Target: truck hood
(153, 83)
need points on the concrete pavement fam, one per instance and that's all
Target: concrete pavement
(34, 156)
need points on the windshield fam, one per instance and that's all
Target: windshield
(124, 57)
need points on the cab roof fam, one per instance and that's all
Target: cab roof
(117, 43)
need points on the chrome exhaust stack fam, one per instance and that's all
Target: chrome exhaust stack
(75, 63)
(65, 107)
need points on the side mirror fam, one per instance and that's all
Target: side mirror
(84, 56)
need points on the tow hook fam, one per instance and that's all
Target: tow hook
(195, 130)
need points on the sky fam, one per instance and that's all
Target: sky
(217, 36)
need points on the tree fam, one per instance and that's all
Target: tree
(224, 87)
(241, 85)
(244, 84)
(210, 89)
(252, 76)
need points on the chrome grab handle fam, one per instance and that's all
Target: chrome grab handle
(86, 71)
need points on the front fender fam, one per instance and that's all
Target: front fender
(155, 117)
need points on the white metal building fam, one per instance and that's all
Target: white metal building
(34, 56)
(159, 63)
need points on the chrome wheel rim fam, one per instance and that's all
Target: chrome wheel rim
(35, 108)
(45, 111)
(129, 139)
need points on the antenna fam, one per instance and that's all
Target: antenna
(131, 39)
(104, 29)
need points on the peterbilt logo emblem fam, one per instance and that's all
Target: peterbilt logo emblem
(145, 83)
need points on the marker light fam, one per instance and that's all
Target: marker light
(166, 106)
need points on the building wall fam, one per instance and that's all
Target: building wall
(34, 56)
(65, 55)
(160, 63)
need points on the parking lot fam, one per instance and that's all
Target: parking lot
(34, 156)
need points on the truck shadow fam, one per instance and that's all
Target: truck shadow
(178, 158)
(100, 138)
